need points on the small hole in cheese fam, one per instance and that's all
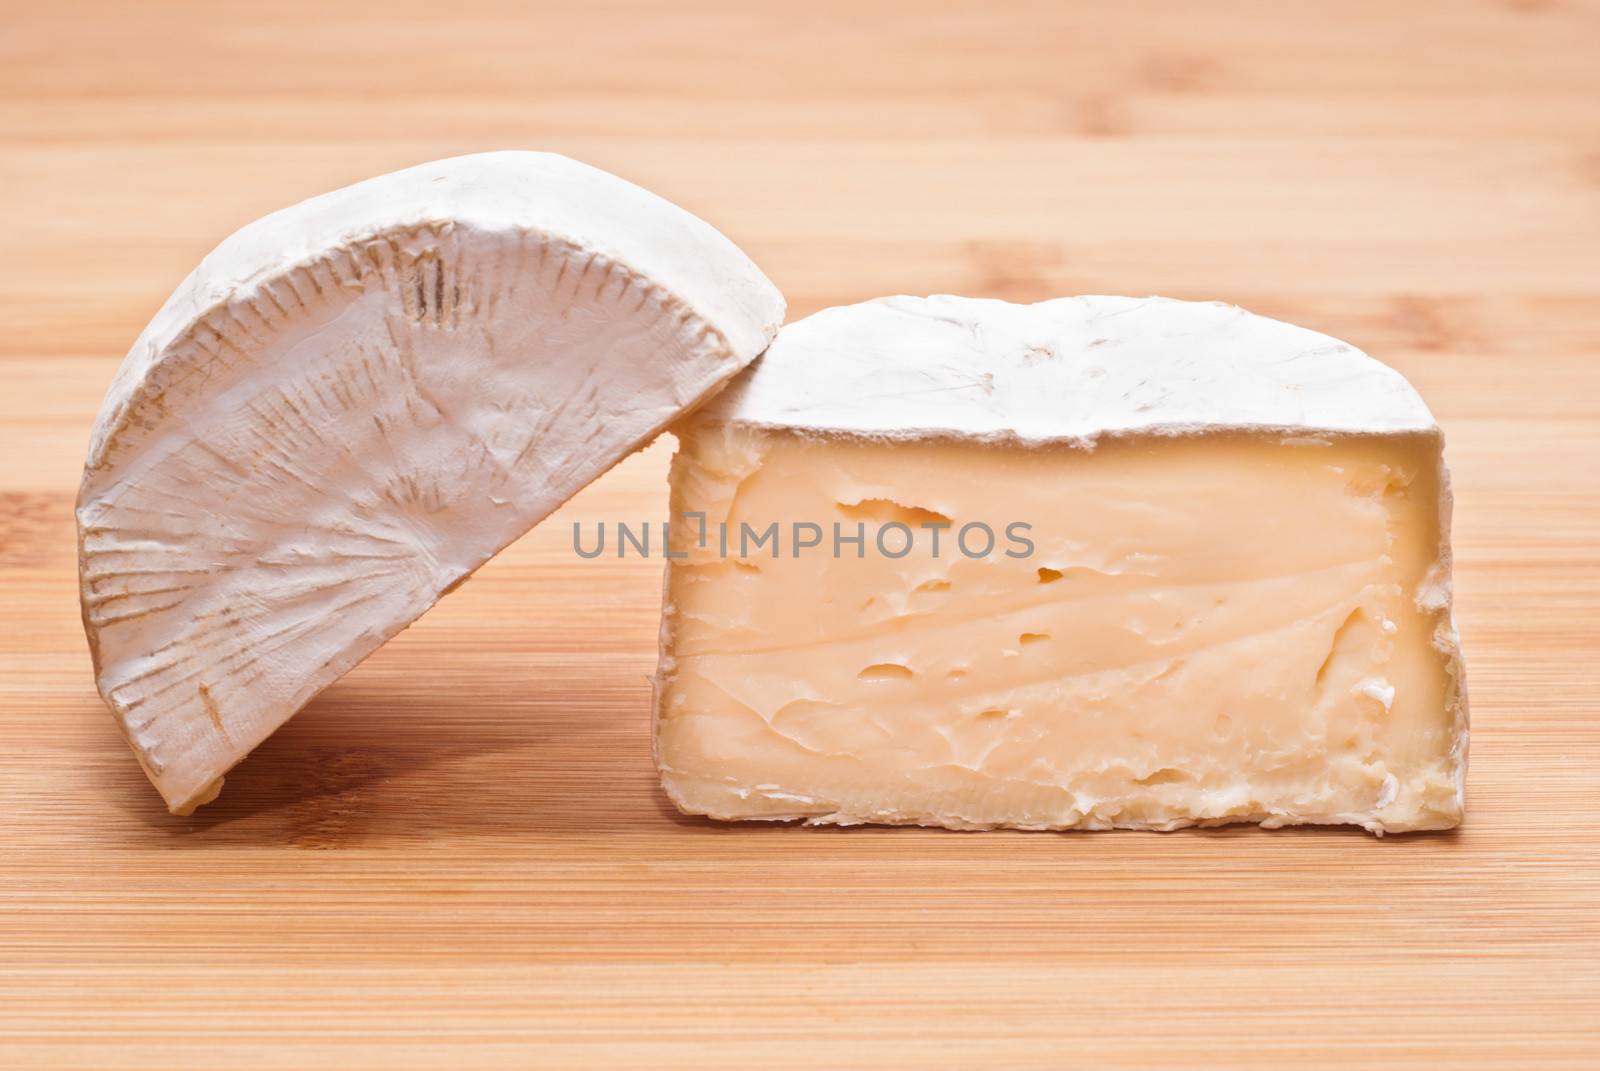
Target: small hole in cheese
(885, 671)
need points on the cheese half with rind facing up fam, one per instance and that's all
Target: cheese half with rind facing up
(1095, 563)
(353, 403)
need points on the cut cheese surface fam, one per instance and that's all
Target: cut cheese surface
(1231, 623)
(353, 403)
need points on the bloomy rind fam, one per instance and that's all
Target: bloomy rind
(1070, 370)
(498, 192)
(1447, 639)
(344, 240)
(1265, 819)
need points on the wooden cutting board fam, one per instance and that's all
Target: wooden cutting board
(459, 856)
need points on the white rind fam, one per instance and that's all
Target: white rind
(353, 403)
(493, 193)
(1067, 370)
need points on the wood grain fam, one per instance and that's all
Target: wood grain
(459, 856)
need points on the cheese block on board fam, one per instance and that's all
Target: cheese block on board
(353, 403)
(1095, 563)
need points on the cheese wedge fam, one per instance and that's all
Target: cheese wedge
(353, 403)
(1096, 563)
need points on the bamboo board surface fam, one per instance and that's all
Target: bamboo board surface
(459, 856)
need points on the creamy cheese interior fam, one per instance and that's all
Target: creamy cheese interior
(1201, 629)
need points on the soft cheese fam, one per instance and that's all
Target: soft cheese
(1092, 563)
(353, 403)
